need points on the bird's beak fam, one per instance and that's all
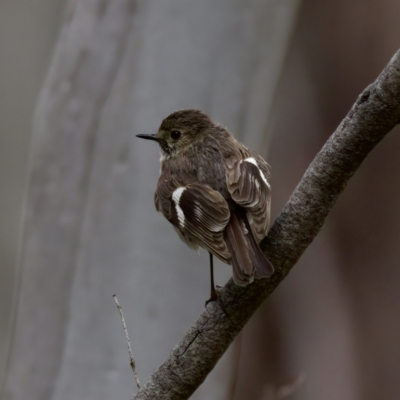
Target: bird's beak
(148, 136)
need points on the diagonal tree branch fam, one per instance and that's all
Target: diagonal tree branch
(375, 113)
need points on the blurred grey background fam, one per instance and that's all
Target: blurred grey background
(78, 79)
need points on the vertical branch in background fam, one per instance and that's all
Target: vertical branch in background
(28, 35)
(266, 69)
(81, 75)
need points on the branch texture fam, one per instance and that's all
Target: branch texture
(375, 113)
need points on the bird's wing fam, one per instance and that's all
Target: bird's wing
(198, 212)
(248, 185)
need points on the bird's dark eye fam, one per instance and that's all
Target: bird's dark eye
(175, 135)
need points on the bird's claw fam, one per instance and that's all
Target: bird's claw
(215, 297)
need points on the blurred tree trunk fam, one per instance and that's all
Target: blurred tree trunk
(91, 230)
(27, 33)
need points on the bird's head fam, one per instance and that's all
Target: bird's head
(179, 130)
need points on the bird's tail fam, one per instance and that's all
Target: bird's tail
(248, 261)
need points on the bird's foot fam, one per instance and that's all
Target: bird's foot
(215, 297)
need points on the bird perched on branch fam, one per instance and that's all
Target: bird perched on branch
(215, 192)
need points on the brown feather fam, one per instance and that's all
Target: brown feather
(248, 188)
(205, 211)
(248, 261)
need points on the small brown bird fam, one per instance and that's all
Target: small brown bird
(215, 192)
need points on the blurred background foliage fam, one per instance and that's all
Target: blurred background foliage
(78, 79)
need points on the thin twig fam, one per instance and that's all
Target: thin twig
(132, 360)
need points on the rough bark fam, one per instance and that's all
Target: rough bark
(375, 113)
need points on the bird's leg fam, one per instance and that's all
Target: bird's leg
(214, 293)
